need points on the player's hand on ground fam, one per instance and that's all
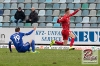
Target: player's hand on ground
(34, 28)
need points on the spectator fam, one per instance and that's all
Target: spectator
(19, 15)
(33, 17)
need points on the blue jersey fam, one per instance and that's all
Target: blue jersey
(17, 40)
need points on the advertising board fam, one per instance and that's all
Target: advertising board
(86, 36)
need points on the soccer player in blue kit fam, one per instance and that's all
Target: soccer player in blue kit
(17, 40)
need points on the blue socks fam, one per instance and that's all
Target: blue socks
(33, 45)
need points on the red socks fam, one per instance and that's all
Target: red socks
(58, 43)
(72, 42)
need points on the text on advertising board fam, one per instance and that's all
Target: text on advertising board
(2, 38)
(83, 36)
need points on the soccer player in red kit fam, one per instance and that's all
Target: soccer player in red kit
(65, 22)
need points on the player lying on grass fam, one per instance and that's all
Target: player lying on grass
(65, 22)
(17, 40)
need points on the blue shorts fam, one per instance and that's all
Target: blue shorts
(25, 47)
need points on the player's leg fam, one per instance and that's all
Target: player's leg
(26, 47)
(65, 40)
(53, 42)
(72, 40)
(32, 44)
(57, 42)
(65, 35)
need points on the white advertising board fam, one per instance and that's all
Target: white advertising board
(86, 36)
(5, 34)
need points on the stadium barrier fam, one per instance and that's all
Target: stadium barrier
(84, 36)
(59, 47)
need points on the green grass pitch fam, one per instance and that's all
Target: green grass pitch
(44, 58)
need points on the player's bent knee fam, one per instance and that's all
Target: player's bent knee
(73, 36)
(65, 42)
(33, 42)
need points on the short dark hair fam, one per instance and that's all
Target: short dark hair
(19, 8)
(17, 29)
(66, 9)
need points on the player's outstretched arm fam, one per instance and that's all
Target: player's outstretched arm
(10, 42)
(72, 14)
(30, 31)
